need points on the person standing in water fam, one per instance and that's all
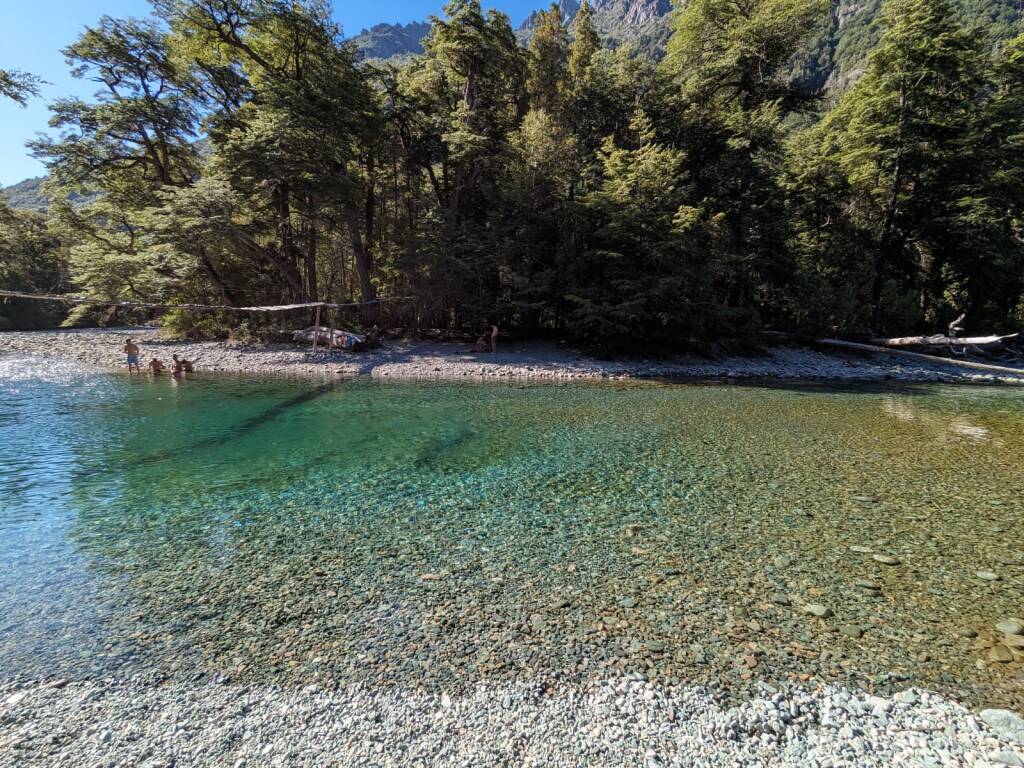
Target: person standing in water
(494, 338)
(132, 350)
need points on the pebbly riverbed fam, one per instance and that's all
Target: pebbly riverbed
(231, 570)
(426, 360)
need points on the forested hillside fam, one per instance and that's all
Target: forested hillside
(30, 195)
(837, 53)
(561, 189)
(27, 195)
(834, 54)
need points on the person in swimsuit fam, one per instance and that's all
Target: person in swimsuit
(132, 350)
(180, 366)
(156, 366)
(494, 338)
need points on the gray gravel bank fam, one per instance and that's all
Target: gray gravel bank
(404, 359)
(625, 722)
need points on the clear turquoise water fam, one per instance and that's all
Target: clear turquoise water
(276, 529)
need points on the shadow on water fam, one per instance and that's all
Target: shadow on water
(248, 425)
(820, 386)
(433, 453)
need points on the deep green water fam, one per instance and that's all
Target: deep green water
(279, 530)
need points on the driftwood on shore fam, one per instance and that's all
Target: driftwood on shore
(939, 340)
(1016, 371)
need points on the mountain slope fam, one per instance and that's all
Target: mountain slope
(835, 56)
(27, 195)
(386, 41)
(832, 57)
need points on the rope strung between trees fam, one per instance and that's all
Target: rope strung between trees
(149, 305)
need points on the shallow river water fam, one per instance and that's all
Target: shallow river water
(437, 534)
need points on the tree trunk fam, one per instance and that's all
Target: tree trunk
(371, 200)
(363, 260)
(312, 289)
(226, 293)
(891, 208)
(288, 260)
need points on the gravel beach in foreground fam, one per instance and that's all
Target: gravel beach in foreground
(433, 360)
(626, 722)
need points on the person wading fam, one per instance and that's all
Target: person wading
(181, 366)
(132, 350)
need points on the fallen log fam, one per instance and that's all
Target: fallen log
(1017, 372)
(945, 341)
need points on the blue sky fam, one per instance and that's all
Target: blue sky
(32, 32)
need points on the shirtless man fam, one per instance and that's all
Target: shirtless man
(132, 350)
(494, 338)
(180, 366)
(156, 366)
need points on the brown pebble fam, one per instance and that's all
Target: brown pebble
(1000, 655)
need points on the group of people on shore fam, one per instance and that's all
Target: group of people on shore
(481, 343)
(179, 366)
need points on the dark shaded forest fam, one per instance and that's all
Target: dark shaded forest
(240, 152)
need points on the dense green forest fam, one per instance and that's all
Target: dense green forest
(241, 152)
(832, 55)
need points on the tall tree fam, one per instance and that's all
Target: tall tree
(459, 104)
(477, 71)
(291, 143)
(991, 199)
(537, 222)
(135, 138)
(585, 43)
(728, 62)
(642, 282)
(549, 51)
(900, 139)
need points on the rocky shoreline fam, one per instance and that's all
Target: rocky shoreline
(620, 722)
(436, 360)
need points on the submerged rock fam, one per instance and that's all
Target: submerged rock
(816, 609)
(1010, 627)
(1000, 654)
